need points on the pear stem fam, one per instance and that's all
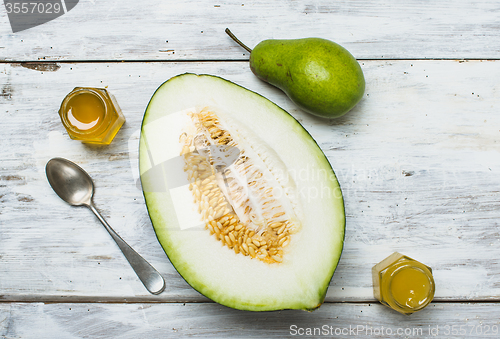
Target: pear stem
(237, 40)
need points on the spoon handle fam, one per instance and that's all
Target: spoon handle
(149, 276)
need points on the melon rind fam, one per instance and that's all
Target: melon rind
(237, 281)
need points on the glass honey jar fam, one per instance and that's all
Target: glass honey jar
(403, 283)
(91, 115)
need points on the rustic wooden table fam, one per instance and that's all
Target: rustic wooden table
(418, 161)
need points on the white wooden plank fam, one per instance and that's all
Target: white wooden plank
(194, 30)
(417, 159)
(71, 321)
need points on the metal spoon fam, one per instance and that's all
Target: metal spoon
(73, 185)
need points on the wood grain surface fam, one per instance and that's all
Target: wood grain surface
(441, 320)
(194, 30)
(417, 159)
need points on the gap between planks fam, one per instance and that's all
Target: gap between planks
(113, 61)
(137, 300)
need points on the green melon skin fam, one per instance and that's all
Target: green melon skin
(302, 279)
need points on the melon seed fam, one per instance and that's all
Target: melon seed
(221, 220)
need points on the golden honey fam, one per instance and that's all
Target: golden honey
(91, 115)
(403, 283)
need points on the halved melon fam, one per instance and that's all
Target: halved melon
(242, 199)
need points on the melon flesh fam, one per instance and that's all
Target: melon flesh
(279, 151)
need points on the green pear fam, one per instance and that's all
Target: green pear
(318, 75)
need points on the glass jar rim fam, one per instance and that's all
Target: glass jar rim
(410, 265)
(63, 111)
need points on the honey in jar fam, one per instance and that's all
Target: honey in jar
(403, 283)
(91, 115)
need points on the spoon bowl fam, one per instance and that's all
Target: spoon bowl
(73, 185)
